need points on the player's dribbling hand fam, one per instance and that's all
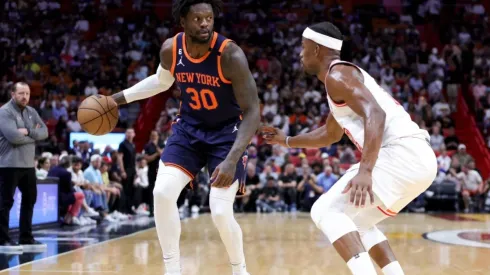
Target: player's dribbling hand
(360, 187)
(223, 175)
(273, 135)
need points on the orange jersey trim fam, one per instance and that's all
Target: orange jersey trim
(388, 213)
(220, 71)
(180, 168)
(201, 59)
(174, 55)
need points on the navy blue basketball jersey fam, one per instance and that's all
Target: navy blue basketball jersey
(207, 99)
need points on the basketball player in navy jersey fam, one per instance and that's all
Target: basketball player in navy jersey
(218, 117)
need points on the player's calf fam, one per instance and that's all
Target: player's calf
(380, 251)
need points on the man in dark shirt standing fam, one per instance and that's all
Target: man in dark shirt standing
(153, 151)
(127, 164)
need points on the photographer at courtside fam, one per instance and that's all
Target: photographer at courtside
(20, 127)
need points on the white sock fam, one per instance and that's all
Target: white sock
(239, 269)
(361, 264)
(170, 182)
(221, 204)
(393, 268)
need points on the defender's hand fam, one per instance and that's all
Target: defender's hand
(223, 175)
(360, 186)
(273, 135)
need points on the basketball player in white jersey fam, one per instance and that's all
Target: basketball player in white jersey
(397, 161)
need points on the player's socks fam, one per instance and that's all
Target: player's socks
(239, 269)
(361, 264)
(172, 265)
(393, 268)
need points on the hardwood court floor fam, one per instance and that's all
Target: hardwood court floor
(283, 244)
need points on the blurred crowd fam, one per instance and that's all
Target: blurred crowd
(81, 51)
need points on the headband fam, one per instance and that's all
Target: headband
(324, 40)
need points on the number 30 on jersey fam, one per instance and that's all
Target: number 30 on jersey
(204, 98)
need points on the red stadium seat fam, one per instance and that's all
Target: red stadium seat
(313, 159)
(295, 160)
(311, 152)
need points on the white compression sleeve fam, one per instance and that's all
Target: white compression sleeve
(159, 82)
(169, 183)
(221, 204)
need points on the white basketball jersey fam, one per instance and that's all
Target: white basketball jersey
(398, 123)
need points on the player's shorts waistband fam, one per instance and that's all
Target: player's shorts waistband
(206, 127)
(398, 139)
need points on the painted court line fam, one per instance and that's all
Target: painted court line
(71, 251)
(66, 271)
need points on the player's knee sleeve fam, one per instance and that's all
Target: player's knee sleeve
(372, 237)
(328, 216)
(221, 212)
(221, 203)
(335, 225)
(169, 183)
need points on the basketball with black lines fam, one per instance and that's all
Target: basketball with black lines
(98, 114)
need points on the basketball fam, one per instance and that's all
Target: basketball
(98, 114)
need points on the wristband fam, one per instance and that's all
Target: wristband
(287, 141)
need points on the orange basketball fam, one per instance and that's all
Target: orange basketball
(98, 114)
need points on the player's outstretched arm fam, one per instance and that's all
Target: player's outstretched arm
(235, 68)
(346, 84)
(159, 82)
(324, 136)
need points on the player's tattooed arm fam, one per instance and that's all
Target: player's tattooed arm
(153, 84)
(235, 68)
(345, 84)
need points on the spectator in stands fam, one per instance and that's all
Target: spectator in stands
(92, 174)
(326, 179)
(444, 161)
(288, 184)
(471, 186)
(113, 192)
(60, 111)
(127, 165)
(69, 198)
(346, 155)
(43, 166)
(463, 157)
(140, 184)
(436, 139)
(309, 188)
(479, 90)
(91, 89)
(270, 197)
(72, 124)
(451, 141)
(435, 90)
(82, 185)
(153, 150)
(277, 156)
(266, 173)
(252, 189)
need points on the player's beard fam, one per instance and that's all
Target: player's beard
(197, 40)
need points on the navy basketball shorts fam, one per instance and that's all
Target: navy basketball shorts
(190, 149)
